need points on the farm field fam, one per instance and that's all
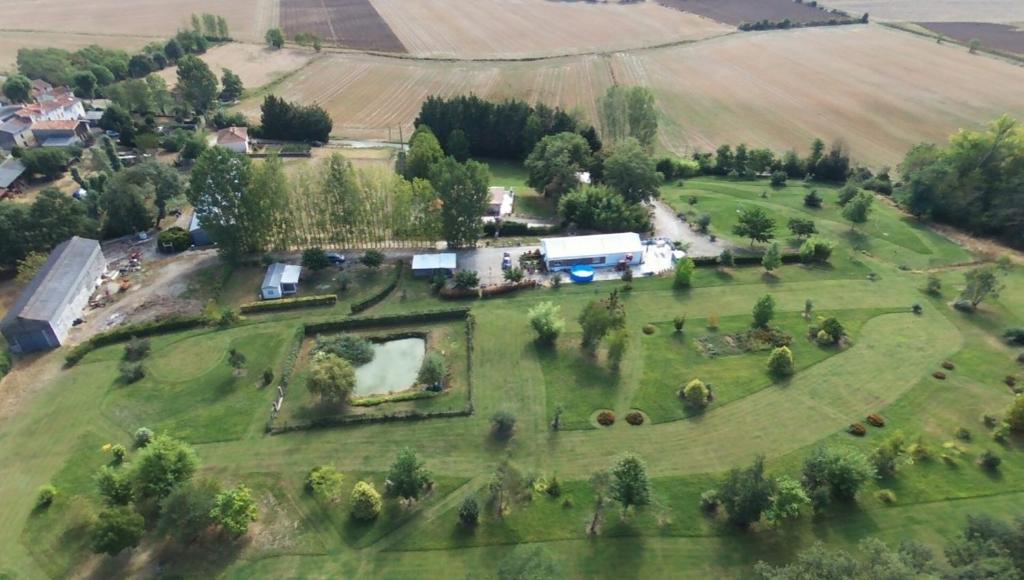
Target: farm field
(191, 392)
(934, 10)
(740, 11)
(256, 64)
(158, 19)
(750, 88)
(1001, 37)
(532, 28)
(11, 41)
(367, 95)
(350, 23)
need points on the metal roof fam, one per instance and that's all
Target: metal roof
(278, 274)
(10, 171)
(444, 261)
(60, 278)
(588, 246)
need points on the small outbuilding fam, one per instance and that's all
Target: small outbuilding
(197, 234)
(48, 307)
(598, 251)
(426, 265)
(281, 280)
(11, 171)
(235, 139)
(500, 201)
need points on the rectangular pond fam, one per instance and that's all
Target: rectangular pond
(395, 366)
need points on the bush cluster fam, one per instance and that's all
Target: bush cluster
(355, 349)
(173, 239)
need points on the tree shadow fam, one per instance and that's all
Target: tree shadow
(770, 278)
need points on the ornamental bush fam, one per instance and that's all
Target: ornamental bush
(469, 512)
(143, 436)
(780, 364)
(696, 394)
(45, 497)
(816, 250)
(366, 502)
(173, 239)
(325, 482)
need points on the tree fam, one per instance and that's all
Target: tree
(910, 560)
(528, 562)
(772, 258)
(48, 162)
(618, 343)
(466, 279)
(85, 84)
(746, 493)
(173, 50)
(30, 265)
(813, 200)
(629, 112)
(696, 394)
(116, 118)
(315, 259)
(595, 321)
(503, 424)
(331, 378)
(115, 486)
(372, 259)
(859, 209)
(117, 529)
(835, 474)
(973, 45)
(703, 223)
(778, 178)
(629, 484)
(140, 65)
(469, 512)
(555, 161)
(462, 189)
(234, 509)
(219, 192)
(236, 359)
(127, 206)
(274, 38)
(597, 207)
(787, 500)
(683, 277)
(816, 250)
(547, 322)
(1015, 415)
(753, 223)
(424, 153)
(18, 89)
(433, 370)
(232, 86)
(981, 283)
(887, 457)
(780, 363)
(764, 311)
(365, 501)
(46, 496)
(631, 172)
(197, 84)
(408, 477)
(458, 145)
(186, 512)
(802, 228)
(280, 119)
(162, 465)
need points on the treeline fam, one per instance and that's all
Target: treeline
(468, 126)
(252, 208)
(37, 228)
(976, 182)
(293, 122)
(743, 162)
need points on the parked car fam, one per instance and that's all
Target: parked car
(506, 261)
(335, 259)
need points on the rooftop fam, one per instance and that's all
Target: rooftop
(444, 261)
(233, 135)
(498, 194)
(598, 245)
(55, 125)
(278, 274)
(10, 171)
(48, 292)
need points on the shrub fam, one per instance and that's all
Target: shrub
(917, 309)
(556, 280)
(713, 321)
(372, 259)
(554, 487)
(726, 259)
(466, 279)
(635, 418)
(45, 497)
(606, 418)
(143, 436)
(764, 311)
(989, 461)
(649, 329)
(469, 512)
(1010, 380)
(173, 239)
(939, 375)
(876, 420)
(833, 329)
(547, 322)
(325, 482)
(288, 304)
(355, 349)
(989, 421)
(679, 322)
(779, 179)
(710, 501)
(886, 496)
(267, 377)
(948, 365)
(962, 434)
(503, 424)
(1001, 434)
(1014, 336)
(780, 364)
(857, 429)
(433, 371)
(1015, 415)
(131, 372)
(816, 250)
(696, 394)
(812, 199)
(136, 349)
(119, 452)
(933, 286)
(683, 277)
(366, 502)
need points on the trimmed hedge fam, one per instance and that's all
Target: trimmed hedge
(385, 320)
(788, 257)
(123, 333)
(519, 229)
(287, 369)
(339, 421)
(396, 398)
(289, 304)
(384, 293)
(486, 292)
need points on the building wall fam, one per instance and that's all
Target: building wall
(11, 140)
(601, 261)
(238, 147)
(86, 284)
(30, 335)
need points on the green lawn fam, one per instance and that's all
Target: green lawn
(191, 392)
(528, 203)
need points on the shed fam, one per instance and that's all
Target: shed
(46, 309)
(500, 200)
(424, 265)
(10, 171)
(598, 251)
(196, 233)
(281, 280)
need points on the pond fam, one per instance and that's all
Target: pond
(394, 367)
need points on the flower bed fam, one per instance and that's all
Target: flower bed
(606, 418)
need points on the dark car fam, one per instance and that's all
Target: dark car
(335, 259)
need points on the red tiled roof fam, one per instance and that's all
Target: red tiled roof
(233, 135)
(56, 125)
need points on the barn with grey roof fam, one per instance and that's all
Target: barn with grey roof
(46, 310)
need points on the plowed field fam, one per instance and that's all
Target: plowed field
(349, 23)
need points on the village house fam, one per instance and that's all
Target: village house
(60, 133)
(234, 138)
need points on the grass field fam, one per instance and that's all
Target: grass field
(256, 64)
(885, 368)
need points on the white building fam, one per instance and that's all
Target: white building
(500, 201)
(603, 250)
(430, 264)
(281, 280)
(235, 139)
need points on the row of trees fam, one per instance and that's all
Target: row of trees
(742, 162)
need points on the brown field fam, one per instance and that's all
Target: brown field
(889, 91)
(531, 28)
(255, 63)
(367, 96)
(349, 23)
(10, 42)
(739, 11)
(1001, 37)
(247, 19)
(935, 10)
